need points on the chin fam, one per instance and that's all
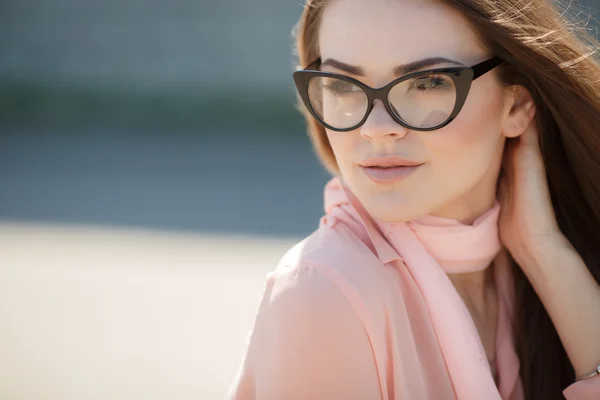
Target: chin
(386, 209)
(387, 203)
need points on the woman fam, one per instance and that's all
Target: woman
(459, 254)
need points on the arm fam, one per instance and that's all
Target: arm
(571, 296)
(307, 343)
(530, 231)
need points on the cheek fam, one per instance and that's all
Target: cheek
(344, 146)
(468, 143)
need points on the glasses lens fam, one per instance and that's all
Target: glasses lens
(339, 103)
(424, 101)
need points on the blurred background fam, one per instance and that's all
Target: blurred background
(150, 152)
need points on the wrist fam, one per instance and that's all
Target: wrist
(542, 251)
(595, 372)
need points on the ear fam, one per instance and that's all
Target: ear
(519, 111)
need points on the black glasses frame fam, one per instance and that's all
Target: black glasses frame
(461, 76)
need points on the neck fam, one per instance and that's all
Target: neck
(474, 287)
(466, 210)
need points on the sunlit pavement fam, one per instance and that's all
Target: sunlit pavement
(100, 313)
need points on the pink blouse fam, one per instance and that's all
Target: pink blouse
(344, 317)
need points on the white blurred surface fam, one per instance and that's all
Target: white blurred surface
(96, 313)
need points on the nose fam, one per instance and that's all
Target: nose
(380, 124)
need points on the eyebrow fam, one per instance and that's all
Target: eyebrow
(398, 71)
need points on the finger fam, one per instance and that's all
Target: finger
(529, 158)
(509, 159)
(530, 137)
(500, 188)
(503, 191)
(506, 156)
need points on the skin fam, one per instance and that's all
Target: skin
(462, 160)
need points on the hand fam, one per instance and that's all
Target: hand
(527, 222)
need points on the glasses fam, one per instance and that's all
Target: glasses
(420, 101)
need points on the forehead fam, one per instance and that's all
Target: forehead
(379, 34)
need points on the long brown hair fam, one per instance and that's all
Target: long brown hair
(553, 57)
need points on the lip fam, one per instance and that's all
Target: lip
(389, 161)
(386, 170)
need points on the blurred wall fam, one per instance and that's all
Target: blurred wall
(173, 43)
(66, 62)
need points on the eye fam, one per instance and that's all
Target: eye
(428, 82)
(338, 86)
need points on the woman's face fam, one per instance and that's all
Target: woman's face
(461, 161)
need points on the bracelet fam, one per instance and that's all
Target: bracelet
(591, 374)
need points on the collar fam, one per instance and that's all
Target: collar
(337, 195)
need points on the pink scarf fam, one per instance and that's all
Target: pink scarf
(431, 247)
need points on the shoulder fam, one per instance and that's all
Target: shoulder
(313, 298)
(332, 246)
(309, 340)
(307, 299)
(330, 270)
